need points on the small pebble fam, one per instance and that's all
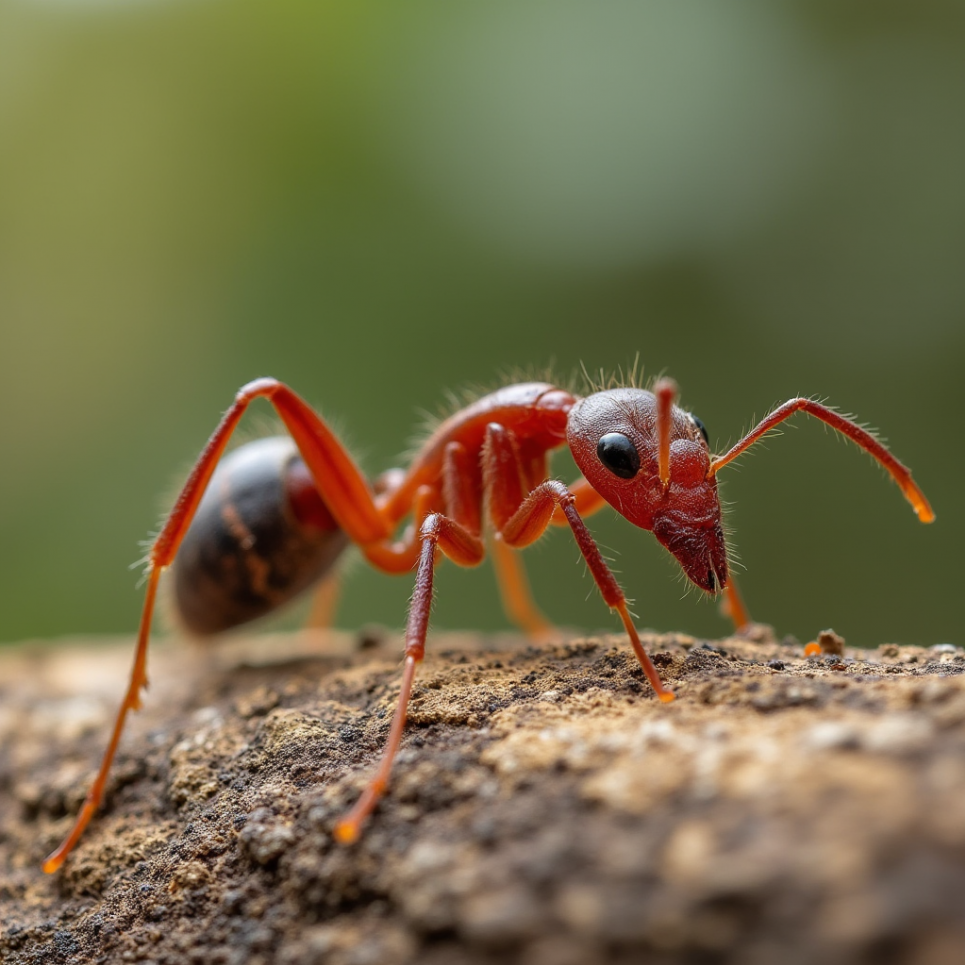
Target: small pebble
(831, 642)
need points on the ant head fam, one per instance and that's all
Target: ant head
(613, 438)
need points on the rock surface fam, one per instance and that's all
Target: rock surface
(545, 809)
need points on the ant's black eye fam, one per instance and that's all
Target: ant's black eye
(619, 455)
(702, 427)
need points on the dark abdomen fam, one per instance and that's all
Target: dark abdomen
(260, 537)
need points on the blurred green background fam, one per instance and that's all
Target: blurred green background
(379, 202)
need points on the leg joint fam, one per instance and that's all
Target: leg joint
(431, 526)
(259, 387)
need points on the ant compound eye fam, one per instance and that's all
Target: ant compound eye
(701, 426)
(619, 455)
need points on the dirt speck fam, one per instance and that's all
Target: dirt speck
(831, 643)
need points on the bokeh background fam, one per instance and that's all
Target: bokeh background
(379, 202)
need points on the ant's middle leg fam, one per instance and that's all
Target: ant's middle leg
(456, 536)
(462, 547)
(515, 592)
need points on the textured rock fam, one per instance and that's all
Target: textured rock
(544, 808)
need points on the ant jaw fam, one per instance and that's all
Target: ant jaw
(700, 551)
(709, 581)
(715, 584)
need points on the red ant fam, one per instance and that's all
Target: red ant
(278, 514)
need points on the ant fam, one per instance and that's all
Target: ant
(278, 512)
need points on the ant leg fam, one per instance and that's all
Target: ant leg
(666, 391)
(515, 592)
(324, 602)
(400, 556)
(530, 521)
(457, 535)
(464, 548)
(733, 605)
(515, 478)
(900, 473)
(161, 555)
(523, 522)
(588, 502)
(132, 701)
(461, 488)
(342, 487)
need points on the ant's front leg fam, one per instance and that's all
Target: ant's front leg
(733, 605)
(588, 501)
(521, 519)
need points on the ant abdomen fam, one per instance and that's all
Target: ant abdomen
(261, 535)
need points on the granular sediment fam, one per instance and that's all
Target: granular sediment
(545, 808)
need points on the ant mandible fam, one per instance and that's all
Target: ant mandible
(280, 511)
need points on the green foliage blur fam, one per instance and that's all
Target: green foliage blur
(380, 202)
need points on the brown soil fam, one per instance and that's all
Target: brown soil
(545, 809)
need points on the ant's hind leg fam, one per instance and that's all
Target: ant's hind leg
(324, 602)
(343, 489)
(132, 701)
